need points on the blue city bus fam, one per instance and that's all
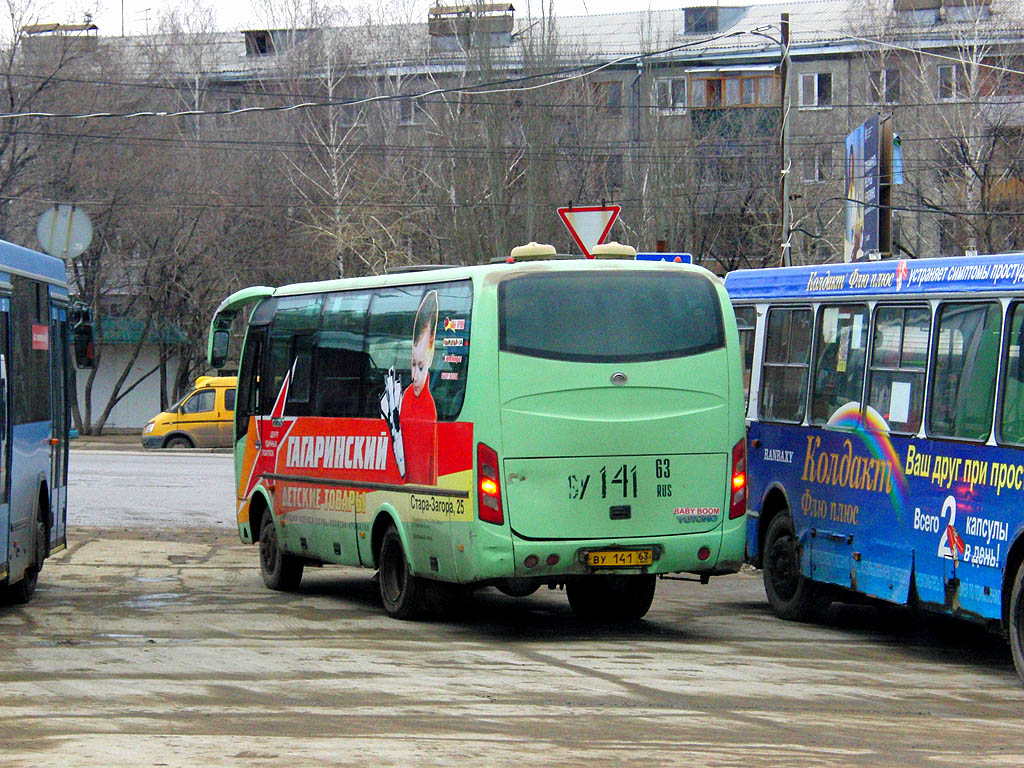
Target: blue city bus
(37, 325)
(885, 414)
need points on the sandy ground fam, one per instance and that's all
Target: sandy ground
(163, 648)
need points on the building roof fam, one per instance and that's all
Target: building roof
(817, 27)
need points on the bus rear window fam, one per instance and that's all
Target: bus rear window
(610, 316)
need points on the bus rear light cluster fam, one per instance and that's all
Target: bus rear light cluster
(532, 561)
(488, 485)
(738, 487)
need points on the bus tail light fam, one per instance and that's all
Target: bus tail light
(488, 485)
(738, 486)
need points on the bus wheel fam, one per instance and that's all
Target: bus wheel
(281, 571)
(23, 591)
(1017, 621)
(402, 593)
(178, 442)
(791, 595)
(611, 598)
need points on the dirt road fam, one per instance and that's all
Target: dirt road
(146, 649)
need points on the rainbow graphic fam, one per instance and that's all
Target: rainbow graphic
(873, 430)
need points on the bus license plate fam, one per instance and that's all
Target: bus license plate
(620, 558)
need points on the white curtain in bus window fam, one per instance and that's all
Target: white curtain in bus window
(786, 363)
(966, 365)
(840, 350)
(899, 356)
(1011, 422)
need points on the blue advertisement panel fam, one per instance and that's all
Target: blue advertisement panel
(862, 179)
(883, 514)
(961, 274)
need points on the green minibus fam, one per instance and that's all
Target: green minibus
(570, 423)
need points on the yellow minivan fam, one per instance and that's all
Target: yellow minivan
(204, 418)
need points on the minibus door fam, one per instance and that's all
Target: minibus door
(59, 423)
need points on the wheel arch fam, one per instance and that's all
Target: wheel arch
(43, 504)
(259, 508)
(775, 501)
(1014, 561)
(386, 516)
(171, 435)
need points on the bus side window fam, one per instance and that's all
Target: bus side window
(248, 400)
(451, 353)
(966, 362)
(899, 356)
(746, 322)
(1011, 420)
(301, 386)
(296, 319)
(389, 340)
(841, 342)
(341, 362)
(786, 364)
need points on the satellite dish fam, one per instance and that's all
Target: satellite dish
(64, 231)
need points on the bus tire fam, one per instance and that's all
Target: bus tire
(403, 595)
(281, 572)
(178, 441)
(790, 594)
(22, 592)
(1017, 622)
(605, 597)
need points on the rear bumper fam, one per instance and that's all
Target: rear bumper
(724, 549)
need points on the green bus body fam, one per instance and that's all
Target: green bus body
(610, 463)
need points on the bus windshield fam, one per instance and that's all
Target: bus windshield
(605, 318)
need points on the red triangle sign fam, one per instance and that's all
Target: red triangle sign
(589, 225)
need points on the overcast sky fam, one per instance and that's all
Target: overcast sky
(240, 14)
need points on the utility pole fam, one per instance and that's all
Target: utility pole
(784, 143)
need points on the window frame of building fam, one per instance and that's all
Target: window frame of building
(671, 94)
(815, 97)
(947, 80)
(609, 96)
(351, 115)
(884, 86)
(411, 110)
(818, 165)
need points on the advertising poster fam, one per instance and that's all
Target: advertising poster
(861, 174)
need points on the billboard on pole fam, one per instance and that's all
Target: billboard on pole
(862, 169)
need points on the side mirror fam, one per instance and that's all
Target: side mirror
(80, 317)
(219, 343)
(85, 347)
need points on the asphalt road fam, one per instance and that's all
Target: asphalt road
(151, 488)
(159, 646)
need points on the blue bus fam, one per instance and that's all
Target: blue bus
(38, 327)
(885, 414)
